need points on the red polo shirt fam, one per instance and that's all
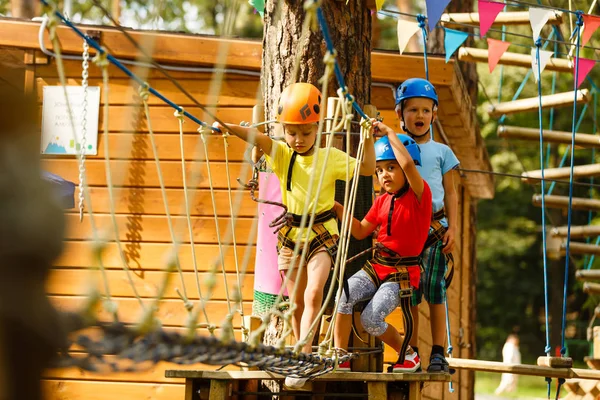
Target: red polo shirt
(409, 227)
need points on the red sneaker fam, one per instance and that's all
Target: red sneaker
(344, 367)
(412, 363)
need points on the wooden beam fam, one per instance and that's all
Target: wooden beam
(471, 54)
(581, 139)
(579, 171)
(591, 288)
(521, 369)
(578, 203)
(581, 248)
(578, 231)
(588, 275)
(532, 103)
(453, 20)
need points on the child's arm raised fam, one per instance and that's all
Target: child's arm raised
(249, 135)
(404, 159)
(367, 167)
(359, 229)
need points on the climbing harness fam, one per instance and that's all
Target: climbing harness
(436, 233)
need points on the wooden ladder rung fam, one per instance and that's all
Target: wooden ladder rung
(577, 231)
(580, 248)
(555, 362)
(588, 275)
(532, 103)
(579, 171)
(471, 54)
(582, 140)
(578, 203)
(503, 18)
(591, 288)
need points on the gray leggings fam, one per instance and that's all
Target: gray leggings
(384, 301)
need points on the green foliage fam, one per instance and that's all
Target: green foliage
(4, 6)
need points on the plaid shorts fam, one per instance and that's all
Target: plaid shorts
(433, 284)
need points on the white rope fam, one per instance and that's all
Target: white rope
(84, 83)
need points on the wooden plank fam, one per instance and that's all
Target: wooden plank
(144, 257)
(453, 20)
(471, 54)
(144, 174)
(334, 376)
(149, 201)
(582, 140)
(78, 282)
(588, 274)
(578, 203)
(171, 313)
(521, 369)
(153, 228)
(555, 362)
(89, 390)
(137, 146)
(532, 103)
(577, 231)
(218, 390)
(234, 91)
(579, 171)
(377, 390)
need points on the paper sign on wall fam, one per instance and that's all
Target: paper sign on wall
(57, 132)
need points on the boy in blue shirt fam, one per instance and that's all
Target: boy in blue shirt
(416, 106)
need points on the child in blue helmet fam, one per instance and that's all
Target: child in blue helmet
(416, 106)
(403, 215)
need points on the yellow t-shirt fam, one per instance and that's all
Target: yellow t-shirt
(295, 198)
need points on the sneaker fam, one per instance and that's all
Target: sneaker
(297, 384)
(344, 367)
(437, 364)
(412, 363)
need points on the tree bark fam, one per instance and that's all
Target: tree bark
(350, 29)
(435, 45)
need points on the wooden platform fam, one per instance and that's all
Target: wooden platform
(220, 385)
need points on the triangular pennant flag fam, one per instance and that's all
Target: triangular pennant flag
(488, 11)
(591, 23)
(495, 50)
(544, 58)
(259, 5)
(452, 41)
(435, 9)
(585, 66)
(379, 4)
(538, 18)
(406, 30)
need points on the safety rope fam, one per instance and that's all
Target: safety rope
(98, 246)
(82, 141)
(180, 119)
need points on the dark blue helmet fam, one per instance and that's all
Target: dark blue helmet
(384, 152)
(416, 87)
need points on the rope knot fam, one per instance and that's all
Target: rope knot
(579, 15)
(101, 59)
(180, 114)
(421, 20)
(329, 58)
(538, 42)
(144, 91)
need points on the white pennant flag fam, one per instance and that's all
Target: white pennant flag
(538, 18)
(544, 58)
(406, 30)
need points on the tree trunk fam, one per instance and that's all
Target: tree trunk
(435, 45)
(350, 28)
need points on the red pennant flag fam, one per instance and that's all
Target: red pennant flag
(495, 50)
(591, 23)
(488, 11)
(585, 66)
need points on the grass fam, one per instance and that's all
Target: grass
(529, 387)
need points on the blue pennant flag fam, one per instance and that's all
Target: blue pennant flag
(453, 40)
(435, 9)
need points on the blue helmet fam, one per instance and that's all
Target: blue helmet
(416, 87)
(384, 152)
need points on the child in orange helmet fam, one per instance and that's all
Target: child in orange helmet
(299, 112)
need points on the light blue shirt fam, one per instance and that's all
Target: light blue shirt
(436, 160)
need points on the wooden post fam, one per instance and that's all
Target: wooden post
(578, 203)
(532, 103)
(581, 139)
(414, 390)
(377, 390)
(218, 389)
(579, 231)
(588, 275)
(579, 171)
(471, 54)
(452, 20)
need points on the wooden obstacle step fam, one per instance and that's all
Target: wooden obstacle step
(457, 20)
(513, 59)
(522, 369)
(581, 248)
(588, 275)
(577, 231)
(532, 103)
(583, 140)
(563, 173)
(578, 203)
(555, 362)
(591, 288)
(221, 385)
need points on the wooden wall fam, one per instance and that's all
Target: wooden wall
(144, 232)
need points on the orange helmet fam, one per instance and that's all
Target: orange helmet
(299, 103)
